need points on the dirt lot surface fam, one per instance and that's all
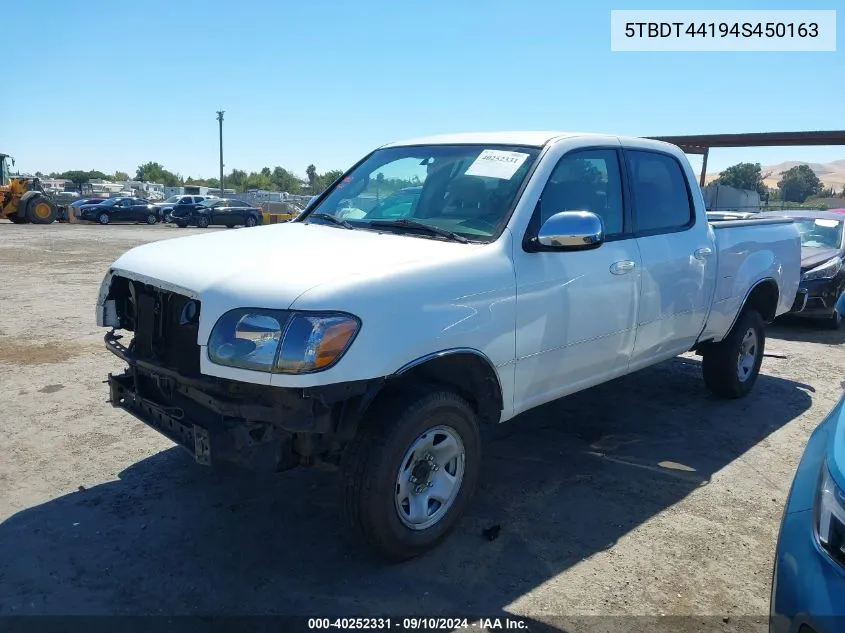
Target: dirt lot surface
(645, 496)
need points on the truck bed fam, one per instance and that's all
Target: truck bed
(749, 251)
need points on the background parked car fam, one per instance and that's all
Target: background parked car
(808, 582)
(218, 211)
(165, 209)
(120, 210)
(822, 258)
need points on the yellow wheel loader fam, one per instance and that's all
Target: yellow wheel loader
(22, 199)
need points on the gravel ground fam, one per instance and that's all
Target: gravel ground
(642, 497)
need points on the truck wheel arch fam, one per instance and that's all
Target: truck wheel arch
(469, 372)
(763, 297)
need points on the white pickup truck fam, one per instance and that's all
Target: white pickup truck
(441, 284)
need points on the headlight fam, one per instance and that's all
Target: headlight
(825, 271)
(280, 341)
(830, 517)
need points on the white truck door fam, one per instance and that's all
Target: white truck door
(576, 311)
(678, 256)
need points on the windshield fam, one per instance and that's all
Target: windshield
(465, 189)
(173, 199)
(110, 202)
(820, 233)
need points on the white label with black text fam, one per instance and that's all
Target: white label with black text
(495, 163)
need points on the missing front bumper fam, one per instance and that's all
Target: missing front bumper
(253, 445)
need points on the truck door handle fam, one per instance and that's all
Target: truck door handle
(703, 253)
(623, 267)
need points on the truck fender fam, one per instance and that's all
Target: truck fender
(761, 298)
(29, 195)
(467, 370)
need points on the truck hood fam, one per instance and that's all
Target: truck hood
(812, 257)
(270, 266)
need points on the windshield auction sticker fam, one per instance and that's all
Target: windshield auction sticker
(495, 163)
(723, 30)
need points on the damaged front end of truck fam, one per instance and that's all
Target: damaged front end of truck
(155, 330)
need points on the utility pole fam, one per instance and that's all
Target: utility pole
(220, 119)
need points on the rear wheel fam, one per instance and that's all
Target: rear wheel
(411, 471)
(731, 366)
(251, 221)
(152, 219)
(41, 210)
(103, 218)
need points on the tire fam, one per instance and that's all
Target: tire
(834, 322)
(739, 354)
(202, 222)
(379, 458)
(152, 219)
(181, 225)
(230, 226)
(103, 218)
(41, 210)
(251, 221)
(16, 218)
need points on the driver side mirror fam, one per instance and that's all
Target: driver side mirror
(571, 231)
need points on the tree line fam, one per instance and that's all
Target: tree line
(797, 184)
(275, 179)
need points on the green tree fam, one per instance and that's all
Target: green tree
(78, 177)
(237, 180)
(285, 180)
(747, 176)
(155, 172)
(120, 176)
(259, 180)
(799, 183)
(322, 181)
(311, 173)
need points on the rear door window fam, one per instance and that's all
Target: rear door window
(662, 200)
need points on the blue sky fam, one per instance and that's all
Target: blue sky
(110, 84)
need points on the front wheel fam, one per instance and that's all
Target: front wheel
(41, 210)
(202, 222)
(731, 366)
(152, 219)
(410, 472)
(103, 218)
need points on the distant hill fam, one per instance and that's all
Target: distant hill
(831, 174)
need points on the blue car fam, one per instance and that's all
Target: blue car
(808, 581)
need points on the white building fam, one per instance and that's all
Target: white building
(100, 186)
(54, 185)
(150, 190)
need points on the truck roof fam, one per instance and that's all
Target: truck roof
(525, 138)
